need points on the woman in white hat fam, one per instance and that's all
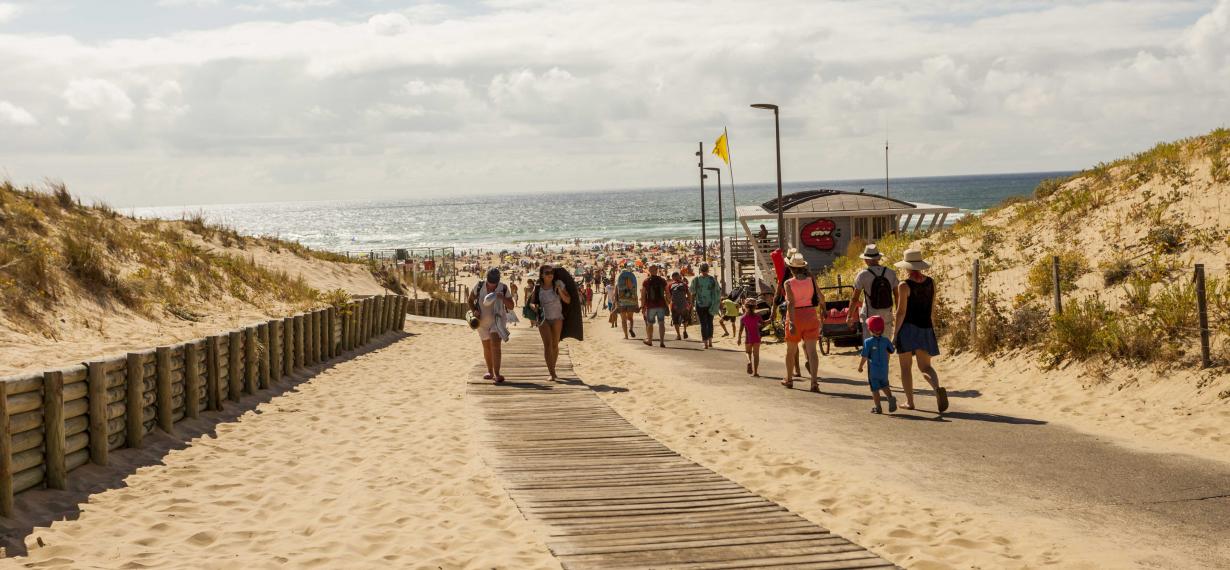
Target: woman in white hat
(802, 320)
(915, 331)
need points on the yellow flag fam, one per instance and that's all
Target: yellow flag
(720, 148)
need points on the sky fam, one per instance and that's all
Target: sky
(175, 102)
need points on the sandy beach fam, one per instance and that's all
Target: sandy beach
(369, 463)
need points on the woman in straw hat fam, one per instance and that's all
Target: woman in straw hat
(915, 331)
(802, 320)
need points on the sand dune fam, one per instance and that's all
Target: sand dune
(370, 464)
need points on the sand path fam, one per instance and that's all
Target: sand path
(978, 490)
(371, 463)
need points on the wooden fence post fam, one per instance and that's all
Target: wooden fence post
(53, 429)
(345, 316)
(1055, 283)
(332, 313)
(275, 351)
(1202, 311)
(317, 328)
(213, 376)
(298, 326)
(321, 321)
(262, 337)
(192, 380)
(251, 366)
(309, 357)
(288, 346)
(134, 402)
(6, 454)
(162, 387)
(234, 360)
(96, 391)
(380, 315)
(973, 305)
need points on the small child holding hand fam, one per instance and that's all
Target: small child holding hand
(875, 351)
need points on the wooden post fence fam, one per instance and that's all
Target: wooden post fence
(53, 429)
(192, 380)
(235, 371)
(6, 454)
(162, 387)
(1202, 311)
(262, 339)
(973, 303)
(250, 365)
(85, 411)
(213, 385)
(1055, 284)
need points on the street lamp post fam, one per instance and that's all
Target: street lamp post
(700, 153)
(777, 135)
(721, 230)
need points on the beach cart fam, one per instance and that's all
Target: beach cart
(834, 330)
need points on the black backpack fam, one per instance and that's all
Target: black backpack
(881, 294)
(655, 290)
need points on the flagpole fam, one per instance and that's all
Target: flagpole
(730, 167)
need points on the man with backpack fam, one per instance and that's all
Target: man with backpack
(873, 291)
(653, 305)
(626, 299)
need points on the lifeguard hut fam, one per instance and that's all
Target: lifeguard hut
(821, 224)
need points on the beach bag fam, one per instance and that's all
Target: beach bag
(529, 313)
(880, 295)
(625, 288)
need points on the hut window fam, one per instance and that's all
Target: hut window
(860, 227)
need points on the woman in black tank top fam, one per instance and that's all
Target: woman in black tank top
(915, 334)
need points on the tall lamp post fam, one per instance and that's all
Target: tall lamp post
(700, 165)
(721, 230)
(777, 135)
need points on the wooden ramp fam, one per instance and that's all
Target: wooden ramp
(613, 497)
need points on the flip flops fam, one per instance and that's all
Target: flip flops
(499, 379)
(488, 376)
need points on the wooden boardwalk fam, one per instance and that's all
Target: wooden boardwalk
(613, 497)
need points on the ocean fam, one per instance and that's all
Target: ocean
(510, 221)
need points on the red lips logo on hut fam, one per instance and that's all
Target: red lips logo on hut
(821, 234)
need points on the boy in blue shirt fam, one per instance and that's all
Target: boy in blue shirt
(876, 350)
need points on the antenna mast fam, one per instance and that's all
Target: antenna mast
(886, 195)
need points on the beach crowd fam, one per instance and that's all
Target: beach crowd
(649, 289)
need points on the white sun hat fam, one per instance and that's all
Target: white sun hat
(913, 260)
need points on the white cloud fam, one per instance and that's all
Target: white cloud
(99, 95)
(11, 114)
(8, 11)
(554, 93)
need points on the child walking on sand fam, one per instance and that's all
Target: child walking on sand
(875, 351)
(750, 322)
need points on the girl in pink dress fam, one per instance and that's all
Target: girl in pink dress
(750, 322)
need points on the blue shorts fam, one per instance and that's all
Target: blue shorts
(877, 384)
(657, 314)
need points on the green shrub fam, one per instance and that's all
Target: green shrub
(1075, 333)
(1174, 308)
(1047, 187)
(1072, 265)
(1168, 238)
(1116, 271)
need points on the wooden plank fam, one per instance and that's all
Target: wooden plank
(613, 497)
(53, 426)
